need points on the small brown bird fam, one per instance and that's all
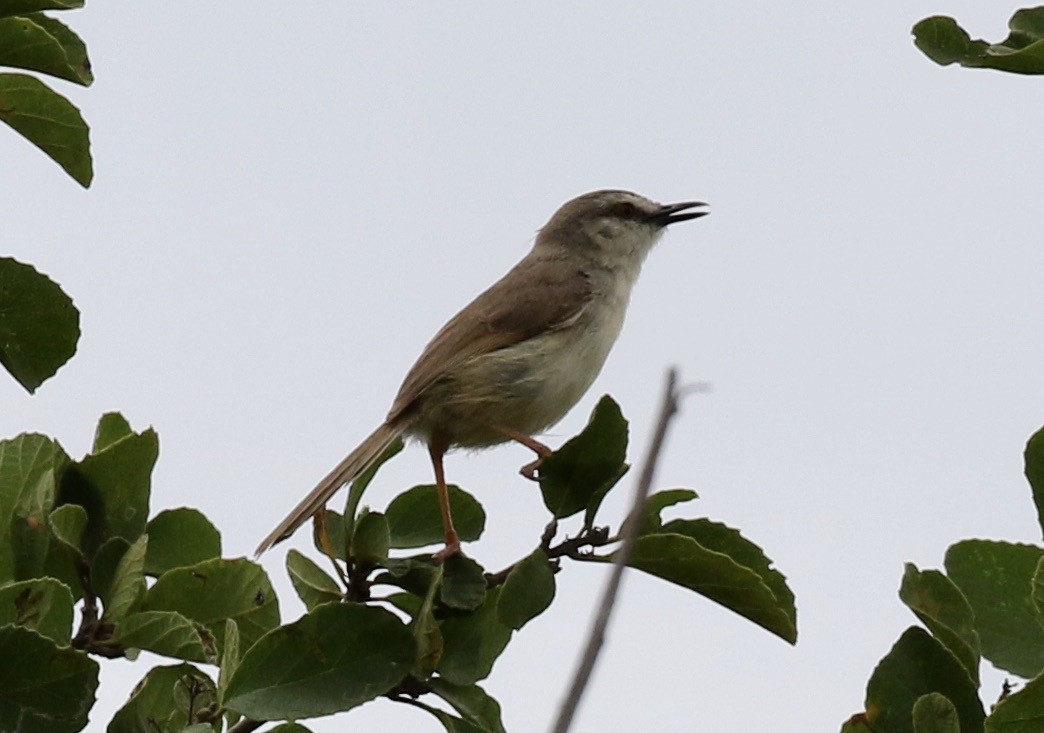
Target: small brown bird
(517, 358)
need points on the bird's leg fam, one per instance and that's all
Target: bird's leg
(437, 449)
(529, 470)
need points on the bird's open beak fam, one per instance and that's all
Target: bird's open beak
(673, 213)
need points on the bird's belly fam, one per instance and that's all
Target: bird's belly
(525, 388)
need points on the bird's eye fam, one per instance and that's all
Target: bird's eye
(624, 210)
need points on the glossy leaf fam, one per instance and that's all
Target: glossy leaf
(112, 427)
(941, 606)
(44, 605)
(527, 591)
(472, 642)
(1022, 52)
(336, 657)
(50, 688)
(178, 538)
(918, 664)
(997, 580)
(167, 633)
(313, 585)
(36, 42)
(414, 519)
(52, 123)
(161, 702)
(577, 475)
(216, 590)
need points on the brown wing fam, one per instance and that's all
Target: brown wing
(537, 295)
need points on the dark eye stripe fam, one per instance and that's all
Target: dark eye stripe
(625, 210)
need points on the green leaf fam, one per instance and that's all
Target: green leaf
(414, 574)
(168, 633)
(472, 642)
(44, 688)
(1035, 472)
(161, 702)
(216, 590)
(527, 591)
(1022, 52)
(414, 519)
(313, 586)
(423, 627)
(67, 524)
(178, 538)
(934, 713)
(941, 606)
(39, 325)
(578, 475)
(289, 728)
(451, 723)
(30, 538)
(336, 657)
(113, 485)
(857, 724)
(28, 465)
(103, 567)
(38, 43)
(112, 428)
(472, 702)
(371, 538)
(463, 583)
(336, 533)
(44, 605)
(128, 584)
(649, 517)
(1021, 712)
(20, 7)
(997, 580)
(229, 662)
(918, 665)
(359, 485)
(50, 122)
(743, 583)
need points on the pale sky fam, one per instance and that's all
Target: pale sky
(290, 201)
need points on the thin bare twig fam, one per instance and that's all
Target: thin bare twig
(629, 535)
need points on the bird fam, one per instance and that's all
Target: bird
(519, 356)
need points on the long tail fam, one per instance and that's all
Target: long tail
(356, 462)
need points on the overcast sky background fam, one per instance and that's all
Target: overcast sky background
(289, 202)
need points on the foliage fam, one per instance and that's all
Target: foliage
(1022, 52)
(388, 622)
(988, 604)
(34, 41)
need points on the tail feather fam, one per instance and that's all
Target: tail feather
(356, 462)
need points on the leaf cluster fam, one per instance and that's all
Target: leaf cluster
(32, 40)
(989, 604)
(386, 620)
